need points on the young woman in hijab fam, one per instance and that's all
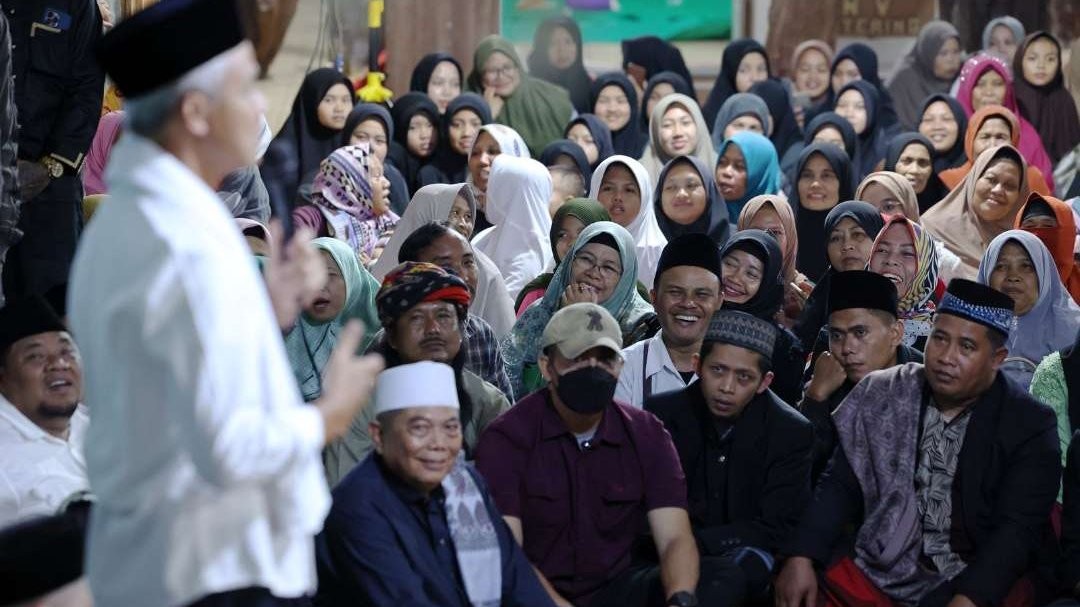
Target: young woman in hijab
(659, 86)
(984, 81)
(772, 214)
(905, 254)
(371, 124)
(810, 71)
(536, 109)
(569, 154)
(744, 63)
(313, 128)
(686, 201)
(751, 264)
(349, 202)
(1047, 319)
(458, 128)
(830, 127)
(858, 102)
(857, 61)
(944, 122)
(984, 205)
(822, 180)
(1052, 222)
(990, 126)
(1041, 94)
(912, 155)
(571, 218)
(785, 132)
(647, 56)
(557, 58)
(416, 136)
(601, 267)
(747, 167)
(439, 76)
(490, 142)
(929, 68)
(594, 137)
(349, 293)
(623, 187)
(849, 231)
(93, 174)
(1002, 36)
(677, 129)
(615, 101)
(518, 196)
(741, 112)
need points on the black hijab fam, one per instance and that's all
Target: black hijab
(724, 86)
(866, 60)
(875, 137)
(631, 139)
(448, 166)
(935, 190)
(574, 79)
(809, 224)
(421, 74)
(303, 133)
(954, 156)
(655, 55)
(851, 142)
(601, 135)
(713, 222)
(786, 132)
(405, 108)
(399, 189)
(770, 295)
(565, 147)
(676, 81)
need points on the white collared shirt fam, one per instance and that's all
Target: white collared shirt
(38, 471)
(643, 376)
(202, 455)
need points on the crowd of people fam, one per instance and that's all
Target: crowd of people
(531, 335)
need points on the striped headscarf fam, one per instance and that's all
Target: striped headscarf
(413, 283)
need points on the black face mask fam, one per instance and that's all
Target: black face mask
(587, 390)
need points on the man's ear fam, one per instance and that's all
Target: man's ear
(896, 336)
(999, 357)
(765, 382)
(195, 112)
(375, 430)
(542, 363)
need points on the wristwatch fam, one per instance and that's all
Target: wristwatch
(52, 167)
(682, 599)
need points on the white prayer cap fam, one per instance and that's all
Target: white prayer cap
(422, 384)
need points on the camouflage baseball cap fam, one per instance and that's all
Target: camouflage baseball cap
(580, 327)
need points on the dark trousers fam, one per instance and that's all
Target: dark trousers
(249, 597)
(51, 223)
(722, 583)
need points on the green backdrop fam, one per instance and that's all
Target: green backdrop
(689, 20)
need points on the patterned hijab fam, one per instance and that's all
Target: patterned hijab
(916, 307)
(343, 188)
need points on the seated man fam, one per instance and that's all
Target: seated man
(746, 455)
(864, 335)
(685, 295)
(1069, 566)
(413, 524)
(578, 475)
(949, 471)
(42, 424)
(422, 308)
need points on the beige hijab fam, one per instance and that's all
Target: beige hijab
(898, 186)
(787, 218)
(955, 222)
(655, 158)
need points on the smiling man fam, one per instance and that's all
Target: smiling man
(686, 293)
(746, 455)
(948, 470)
(42, 424)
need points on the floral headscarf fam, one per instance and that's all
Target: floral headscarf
(916, 307)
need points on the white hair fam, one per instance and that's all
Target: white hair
(147, 114)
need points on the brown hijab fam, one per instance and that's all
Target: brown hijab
(898, 186)
(787, 217)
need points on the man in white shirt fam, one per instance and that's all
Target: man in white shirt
(203, 457)
(686, 293)
(42, 423)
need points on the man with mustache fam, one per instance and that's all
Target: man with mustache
(864, 336)
(423, 310)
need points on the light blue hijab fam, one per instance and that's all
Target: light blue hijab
(762, 168)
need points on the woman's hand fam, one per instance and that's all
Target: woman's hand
(494, 101)
(578, 293)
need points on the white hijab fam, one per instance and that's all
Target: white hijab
(648, 239)
(519, 242)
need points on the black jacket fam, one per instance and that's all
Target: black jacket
(1069, 567)
(768, 473)
(1006, 482)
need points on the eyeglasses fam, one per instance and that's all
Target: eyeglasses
(608, 271)
(505, 71)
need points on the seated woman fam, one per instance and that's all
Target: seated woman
(594, 137)
(905, 254)
(566, 184)
(349, 293)
(859, 103)
(416, 136)
(458, 129)
(615, 101)
(371, 124)
(492, 140)
(1056, 383)
(980, 208)
(773, 214)
(622, 185)
(943, 121)
(1047, 319)
(784, 131)
(752, 264)
(571, 218)
(660, 85)
(830, 127)
(1041, 94)
(912, 155)
(537, 109)
(747, 167)
(686, 201)
(741, 112)
(349, 202)
(822, 179)
(992, 125)
(810, 71)
(744, 63)
(599, 268)
(1052, 222)
(439, 76)
(676, 128)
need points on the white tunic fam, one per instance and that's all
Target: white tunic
(204, 459)
(38, 471)
(647, 371)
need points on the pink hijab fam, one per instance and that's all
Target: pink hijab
(93, 176)
(1031, 145)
